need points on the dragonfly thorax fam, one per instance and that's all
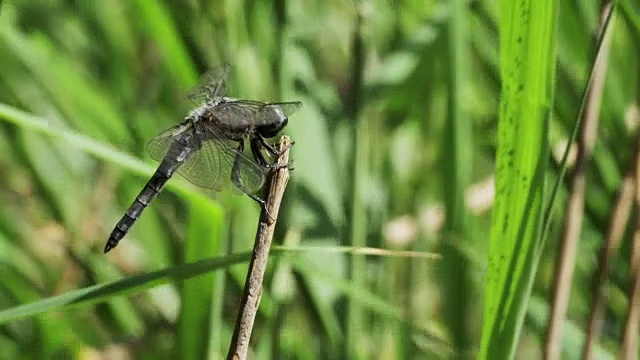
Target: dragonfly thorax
(199, 112)
(196, 114)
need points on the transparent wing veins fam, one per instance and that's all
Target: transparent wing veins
(212, 85)
(253, 112)
(211, 165)
(160, 144)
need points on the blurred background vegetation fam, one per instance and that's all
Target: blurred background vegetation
(85, 84)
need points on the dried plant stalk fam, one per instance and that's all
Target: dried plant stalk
(276, 185)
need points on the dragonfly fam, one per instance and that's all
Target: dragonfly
(207, 148)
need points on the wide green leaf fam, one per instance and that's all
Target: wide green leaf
(527, 66)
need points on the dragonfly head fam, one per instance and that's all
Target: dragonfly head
(278, 121)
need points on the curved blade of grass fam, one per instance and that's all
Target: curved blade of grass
(100, 150)
(87, 144)
(527, 66)
(127, 286)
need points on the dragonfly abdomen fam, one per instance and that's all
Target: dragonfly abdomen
(166, 169)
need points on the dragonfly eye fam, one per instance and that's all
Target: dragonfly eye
(272, 130)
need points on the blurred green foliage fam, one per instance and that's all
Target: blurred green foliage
(398, 128)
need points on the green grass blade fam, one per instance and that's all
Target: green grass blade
(456, 160)
(87, 144)
(157, 23)
(527, 66)
(91, 146)
(355, 330)
(127, 286)
(198, 305)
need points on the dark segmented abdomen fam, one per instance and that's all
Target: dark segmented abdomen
(166, 169)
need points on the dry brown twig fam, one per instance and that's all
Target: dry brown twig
(276, 183)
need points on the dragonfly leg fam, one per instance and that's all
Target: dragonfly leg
(280, 166)
(237, 180)
(255, 148)
(263, 206)
(257, 154)
(236, 170)
(271, 148)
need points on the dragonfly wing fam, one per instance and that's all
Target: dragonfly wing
(249, 176)
(287, 108)
(205, 168)
(240, 170)
(211, 167)
(236, 113)
(212, 85)
(253, 112)
(195, 167)
(159, 145)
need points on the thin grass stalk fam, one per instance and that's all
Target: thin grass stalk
(548, 214)
(279, 68)
(630, 336)
(575, 206)
(619, 219)
(358, 219)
